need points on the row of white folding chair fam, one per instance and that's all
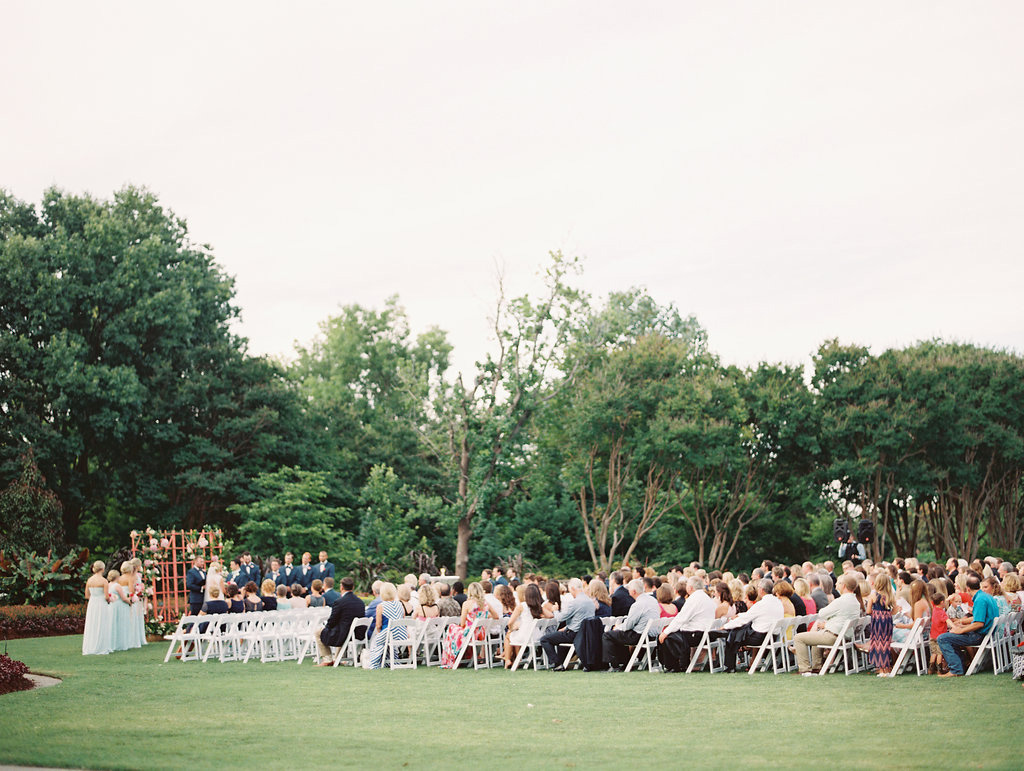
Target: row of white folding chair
(709, 650)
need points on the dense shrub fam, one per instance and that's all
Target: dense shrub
(18, 621)
(12, 675)
(42, 579)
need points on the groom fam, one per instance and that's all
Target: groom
(195, 582)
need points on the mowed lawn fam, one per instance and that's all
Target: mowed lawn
(130, 710)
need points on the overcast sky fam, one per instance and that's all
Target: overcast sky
(787, 172)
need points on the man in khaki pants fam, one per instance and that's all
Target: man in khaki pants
(831, 620)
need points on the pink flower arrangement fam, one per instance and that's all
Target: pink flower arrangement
(203, 543)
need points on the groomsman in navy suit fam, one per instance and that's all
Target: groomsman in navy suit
(287, 577)
(195, 583)
(250, 570)
(275, 571)
(304, 575)
(323, 569)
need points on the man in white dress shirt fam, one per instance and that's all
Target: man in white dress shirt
(686, 628)
(750, 628)
(831, 620)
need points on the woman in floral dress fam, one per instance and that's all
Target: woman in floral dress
(457, 636)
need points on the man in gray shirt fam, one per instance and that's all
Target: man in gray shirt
(570, 618)
(615, 642)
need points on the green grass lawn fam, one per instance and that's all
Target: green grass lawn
(130, 710)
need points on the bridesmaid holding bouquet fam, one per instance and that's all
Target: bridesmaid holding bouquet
(97, 637)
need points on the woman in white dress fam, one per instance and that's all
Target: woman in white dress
(521, 624)
(120, 614)
(214, 577)
(96, 638)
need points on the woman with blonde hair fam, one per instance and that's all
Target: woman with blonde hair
(390, 607)
(883, 601)
(1012, 589)
(457, 635)
(136, 622)
(121, 635)
(428, 603)
(803, 590)
(139, 599)
(918, 609)
(598, 592)
(268, 590)
(96, 640)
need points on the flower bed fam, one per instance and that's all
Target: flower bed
(17, 621)
(12, 675)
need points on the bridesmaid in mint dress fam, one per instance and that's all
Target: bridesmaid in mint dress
(121, 637)
(96, 638)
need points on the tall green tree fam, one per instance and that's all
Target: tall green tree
(118, 366)
(484, 422)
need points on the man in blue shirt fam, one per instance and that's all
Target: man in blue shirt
(969, 631)
(570, 618)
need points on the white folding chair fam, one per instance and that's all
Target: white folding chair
(767, 648)
(401, 642)
(989, 646)
(186, 636)
(838, 648)
(353, 644)
(307, 629)
(541, 626)
(910, 651)
(709, 649)
(647, 645)
(429, 641)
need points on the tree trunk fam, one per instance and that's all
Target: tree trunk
(462, 547)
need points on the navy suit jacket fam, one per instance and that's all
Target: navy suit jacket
(305, 580)
(286, 579)
(343, 613)
(195, 582)
(621, 602)
(253, 573)
(326, 571)
(272, 576)
(331, 596)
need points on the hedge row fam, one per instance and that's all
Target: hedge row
(17, 621)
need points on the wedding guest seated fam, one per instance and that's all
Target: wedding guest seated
(598, 592)
(830, 622)
(459, 593)
(371, 611)
(577, 609)
(213, 606)
(645, 607)
(553, 597)
(803, 591)
(251, 601)
(749, 628)
(447, 605)
(664, 596)
(346, 610)
(969, 631)
(298, 599)
(268, 592)
(283, 603)
(316, 594)
(684, 631)
(234, 599)
(504, 595)
(723, 598)
(331, 595)
(428, 607)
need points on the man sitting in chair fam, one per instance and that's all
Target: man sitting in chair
(686, 628)
(346, 610)
(751, 627)
(831, 620)
(615, 642)
(571, 617)
(968, 632)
